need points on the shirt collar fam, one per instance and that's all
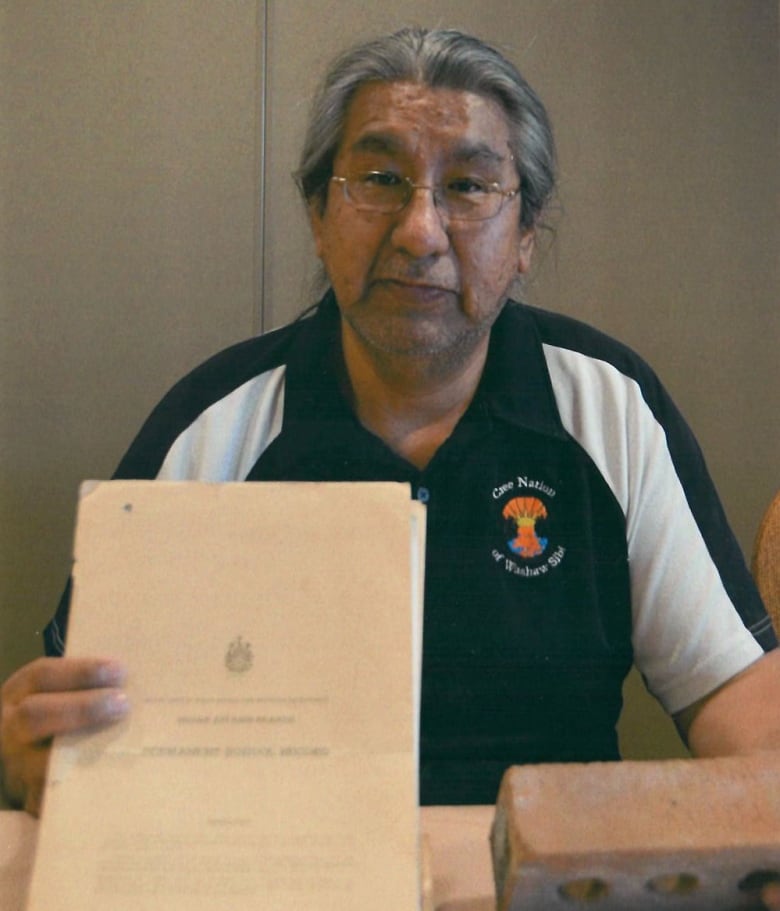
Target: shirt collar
(320, 429)
(313, 380)
(515, 385)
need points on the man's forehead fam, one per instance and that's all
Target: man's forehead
(391, 117)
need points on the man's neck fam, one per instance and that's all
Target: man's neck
(412, 403)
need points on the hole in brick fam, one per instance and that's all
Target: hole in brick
(756, 880)
(584, 890)
(674, 884)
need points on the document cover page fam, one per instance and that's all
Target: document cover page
(269, 761)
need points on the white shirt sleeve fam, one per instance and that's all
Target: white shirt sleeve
(688, 636)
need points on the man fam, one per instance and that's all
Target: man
(572, 525)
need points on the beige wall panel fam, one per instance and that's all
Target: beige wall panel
(127, 248)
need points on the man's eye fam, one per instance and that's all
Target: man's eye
(380, 179)
(468, 186)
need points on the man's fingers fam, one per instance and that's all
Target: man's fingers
(43, 715)
(47, 697)
(62, 674)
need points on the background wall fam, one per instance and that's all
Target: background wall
(149, 218)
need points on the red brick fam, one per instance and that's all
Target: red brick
(630, 836)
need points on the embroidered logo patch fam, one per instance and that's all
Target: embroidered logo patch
(524, 511)
(527, 518)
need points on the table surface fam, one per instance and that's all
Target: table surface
(457, 836)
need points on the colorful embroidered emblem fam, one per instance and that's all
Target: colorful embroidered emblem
(529, 523)
(525, 512)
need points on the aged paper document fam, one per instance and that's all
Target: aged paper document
(272, 633)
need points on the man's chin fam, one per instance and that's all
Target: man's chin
(418, 340)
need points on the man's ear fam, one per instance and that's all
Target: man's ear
(527, 244)
(316, 216)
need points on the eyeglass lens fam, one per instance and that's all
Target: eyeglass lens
(385, 194)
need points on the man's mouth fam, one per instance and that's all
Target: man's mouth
(418, 289)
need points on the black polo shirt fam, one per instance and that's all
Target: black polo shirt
(530, 598)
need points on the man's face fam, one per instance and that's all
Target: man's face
(414, 282)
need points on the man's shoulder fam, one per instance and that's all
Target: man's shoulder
(251, 356)
(220, 396)
(561, 332)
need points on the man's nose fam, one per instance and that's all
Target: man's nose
(421, 228)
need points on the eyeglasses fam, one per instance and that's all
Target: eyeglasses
(460, 199)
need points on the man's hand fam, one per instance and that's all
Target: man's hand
(52, 696)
